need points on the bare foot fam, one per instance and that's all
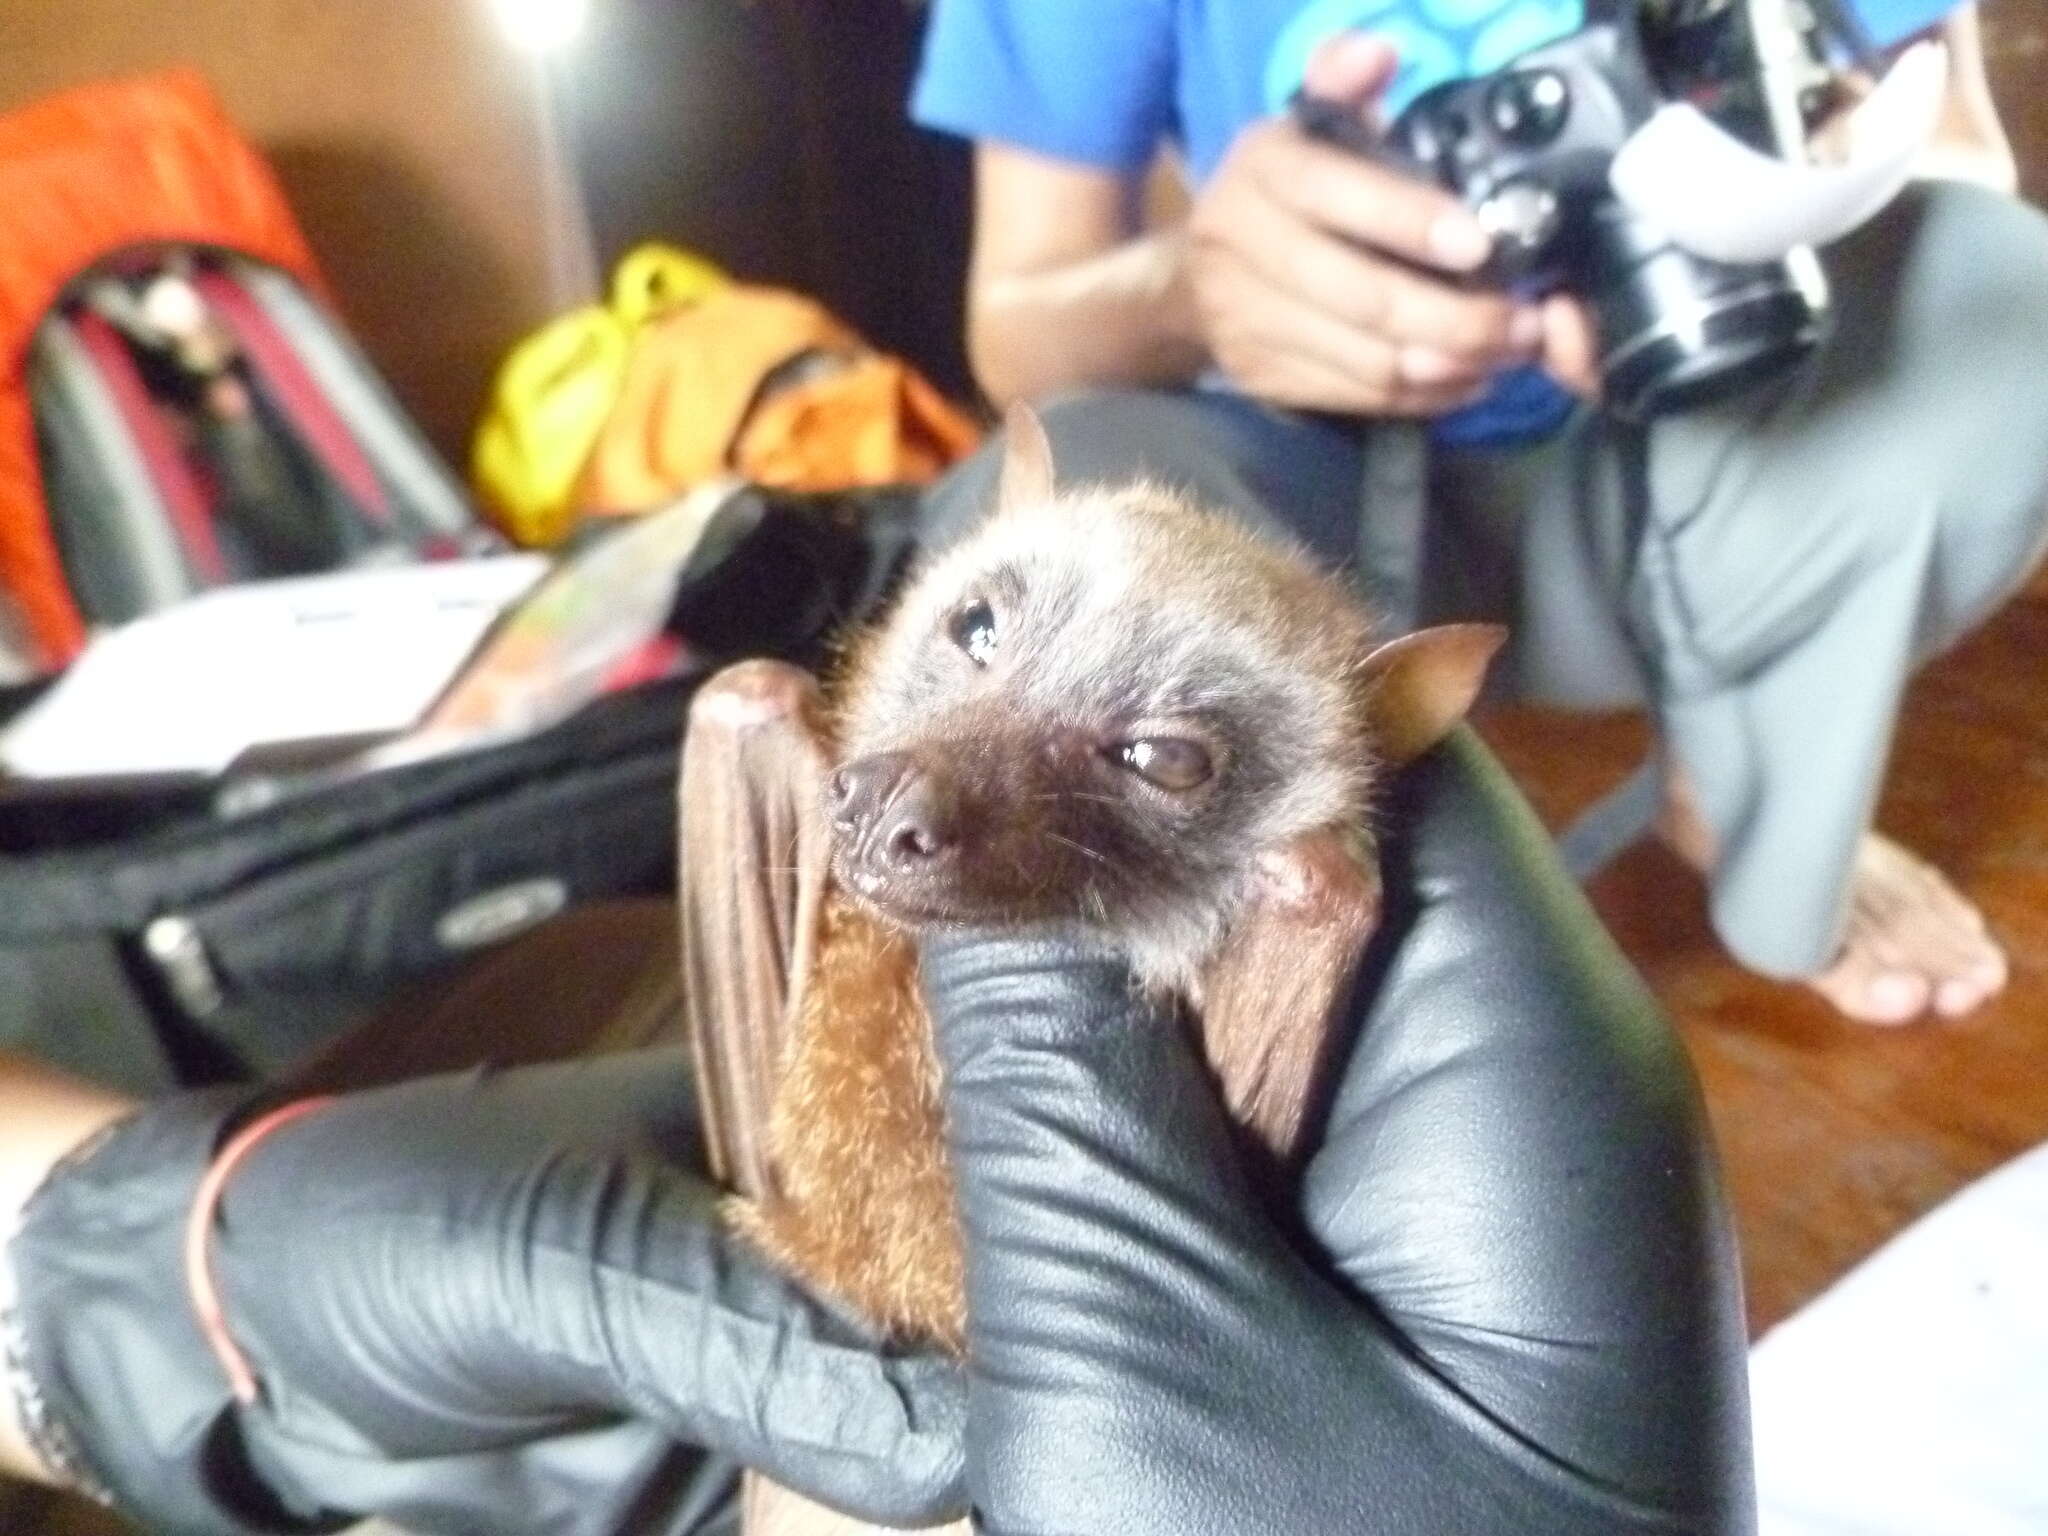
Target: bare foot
(1912, 942)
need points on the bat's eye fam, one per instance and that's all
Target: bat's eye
(974, 630)
(1167, 761)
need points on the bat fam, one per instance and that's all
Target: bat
(1106, 705)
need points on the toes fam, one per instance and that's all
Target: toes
(1895, 997)
(1872, 993)
(1975, 986)
(1956, 997)
(1913, 942)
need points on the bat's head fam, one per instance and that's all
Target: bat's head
(1111, 705)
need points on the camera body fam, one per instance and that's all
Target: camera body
(1529, 149)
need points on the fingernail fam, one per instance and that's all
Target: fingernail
(1525, 329)
(1426, 365)
(1458, 242)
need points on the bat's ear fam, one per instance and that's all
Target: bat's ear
(1270, 995)
(1423, 683)
(1027, 461)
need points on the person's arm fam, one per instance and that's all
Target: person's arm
(46, 1115)
(1970, 142)
(1063, 289)
(1309, 276)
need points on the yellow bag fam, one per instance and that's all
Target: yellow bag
(768, 385)
(556, 389)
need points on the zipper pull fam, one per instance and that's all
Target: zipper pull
(175, 945)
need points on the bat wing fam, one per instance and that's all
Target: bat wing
(755, 861)
(755, 857)
(1270, 996)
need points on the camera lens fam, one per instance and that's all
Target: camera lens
(1678, 331)
(1528, 107)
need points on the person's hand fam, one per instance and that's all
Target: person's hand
(1505, 1301)
(425, 1275)
(1323, 281)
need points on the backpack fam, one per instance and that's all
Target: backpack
(208, 932)
(178, 408)
(183, 411)
(200, 420)
(191, 936)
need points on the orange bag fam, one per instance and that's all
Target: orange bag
(84, 174)
(555, 391)
(767, 385)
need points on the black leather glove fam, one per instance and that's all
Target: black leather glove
(1514, 1308)
(478, 1262)
(491, 1302)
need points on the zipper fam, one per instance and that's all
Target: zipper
(173, 943)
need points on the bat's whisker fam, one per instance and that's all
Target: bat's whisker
(1085, 851)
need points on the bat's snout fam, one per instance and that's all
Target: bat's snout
(897, 824)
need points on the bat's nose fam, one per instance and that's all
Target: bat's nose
(900, 817)
(865, 785)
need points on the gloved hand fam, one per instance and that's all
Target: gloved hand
(437, 1282)
(1513, 1306)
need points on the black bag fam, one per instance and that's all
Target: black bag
(152, 941)
(173, 940)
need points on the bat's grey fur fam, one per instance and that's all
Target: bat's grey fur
(1121, 613)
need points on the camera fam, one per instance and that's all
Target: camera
(1531, 150)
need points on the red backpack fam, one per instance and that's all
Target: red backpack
(177, 408)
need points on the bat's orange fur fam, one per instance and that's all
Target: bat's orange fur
(864, 1209)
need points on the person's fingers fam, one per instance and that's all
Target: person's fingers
(1482, 329)
(1305, 383)
(1313, 272)
(1352, 68)
(1571, 345)
(1334, 189)
(1282, 349)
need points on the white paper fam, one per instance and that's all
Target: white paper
(191, 688)
(1912, 1398)
(597, 606)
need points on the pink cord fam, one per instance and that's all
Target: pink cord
(199, 1279)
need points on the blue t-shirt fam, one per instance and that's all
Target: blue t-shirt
(1106, 82)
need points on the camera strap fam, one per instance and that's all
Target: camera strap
(1393, 494)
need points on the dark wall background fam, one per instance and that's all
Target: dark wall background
(770, 134)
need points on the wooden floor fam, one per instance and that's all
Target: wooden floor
(1835, 1135)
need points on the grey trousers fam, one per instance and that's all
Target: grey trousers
(1762, 576)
